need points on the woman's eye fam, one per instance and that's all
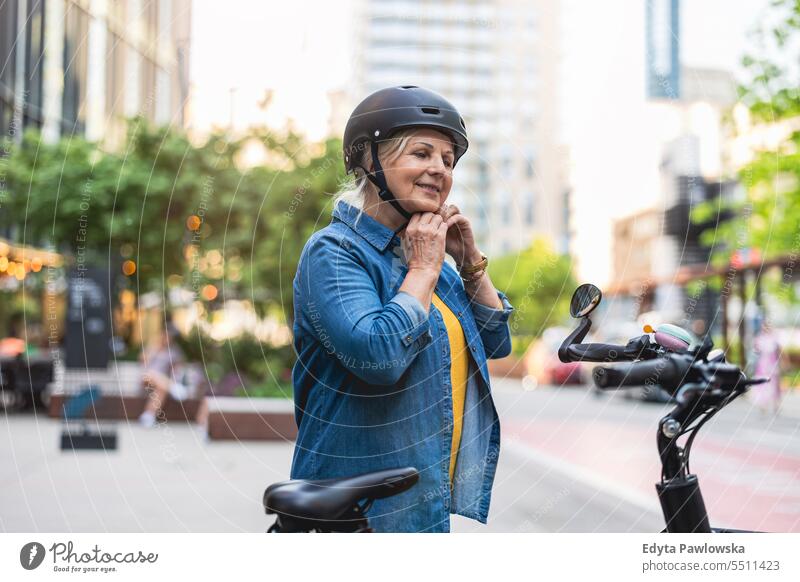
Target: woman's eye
(419, 154)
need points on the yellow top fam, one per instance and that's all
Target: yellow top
(459, 368)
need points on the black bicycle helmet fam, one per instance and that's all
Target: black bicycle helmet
(389, 110)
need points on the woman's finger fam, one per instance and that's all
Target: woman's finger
(457, 219)
(425, 217)
(448, 210)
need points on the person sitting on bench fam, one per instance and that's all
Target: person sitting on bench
(162, 362)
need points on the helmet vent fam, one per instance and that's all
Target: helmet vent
(431, 110)
(408, 87)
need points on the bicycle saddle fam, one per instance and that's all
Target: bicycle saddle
(333, 499)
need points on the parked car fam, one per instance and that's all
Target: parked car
(541, 360)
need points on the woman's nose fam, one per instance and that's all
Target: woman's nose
(437, 166)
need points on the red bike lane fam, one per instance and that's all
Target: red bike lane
(744, 486)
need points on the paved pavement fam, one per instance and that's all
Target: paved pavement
(790, 405)
(166, 479)
(570, 462)
(748, 463)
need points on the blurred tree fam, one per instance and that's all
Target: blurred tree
(290, 203)
(109, 207)
(767, 219)
(538, 283)
(170, 213)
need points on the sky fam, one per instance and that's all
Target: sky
(612, 131)
(301, 50)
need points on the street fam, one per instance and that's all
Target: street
(575, 461)
(570, 461)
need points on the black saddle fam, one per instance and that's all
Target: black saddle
(333, 504)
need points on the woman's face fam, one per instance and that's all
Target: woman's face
(421, 176)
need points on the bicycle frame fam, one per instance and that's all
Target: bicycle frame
(679, 491)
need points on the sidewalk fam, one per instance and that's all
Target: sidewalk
(165, 479)
(169, 479)
(790, 405)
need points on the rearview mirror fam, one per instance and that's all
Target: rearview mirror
(584, 300)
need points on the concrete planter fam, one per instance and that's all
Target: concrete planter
(120, 407)
(233, 418)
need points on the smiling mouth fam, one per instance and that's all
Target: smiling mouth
(428, 188)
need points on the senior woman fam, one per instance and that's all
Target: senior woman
(392, 342)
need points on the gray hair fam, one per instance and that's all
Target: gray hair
(354, 189)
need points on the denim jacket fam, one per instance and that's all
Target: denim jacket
(372, 378)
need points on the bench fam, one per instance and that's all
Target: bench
(120, 407)
(232, 418)
(122, 394)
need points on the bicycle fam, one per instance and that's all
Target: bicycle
(696, 375)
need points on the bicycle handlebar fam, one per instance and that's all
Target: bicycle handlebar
(667, 371)
(595, 352)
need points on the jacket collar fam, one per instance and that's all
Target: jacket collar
(374, 232)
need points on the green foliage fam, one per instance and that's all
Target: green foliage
(267, 390)
(130, 204)
(134, 204)
(264, 369)
(767, 219)
(287, 207)
(196, 344)
(19, 309)
(538, 283)
(771, 90)
(520, 344)
(242, 354)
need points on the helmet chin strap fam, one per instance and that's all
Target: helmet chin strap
(384, 193)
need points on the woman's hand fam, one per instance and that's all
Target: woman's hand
(424, 242)
(460, 241)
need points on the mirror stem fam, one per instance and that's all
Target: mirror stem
(575, 337)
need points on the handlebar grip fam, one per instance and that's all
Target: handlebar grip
(596, 352)
(663, 371)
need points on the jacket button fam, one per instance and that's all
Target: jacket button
(408, 338)
(473, 348)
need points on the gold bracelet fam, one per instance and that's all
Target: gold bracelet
(479, 266)
(474, 277)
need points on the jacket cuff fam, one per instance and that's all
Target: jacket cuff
(419, 326)
(489, 318)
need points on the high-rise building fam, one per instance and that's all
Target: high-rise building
(662, 49)
(496, 61)
(83, 66)
(656, 247)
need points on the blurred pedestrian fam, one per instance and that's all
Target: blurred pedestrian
(767, 349)
(162, 363)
